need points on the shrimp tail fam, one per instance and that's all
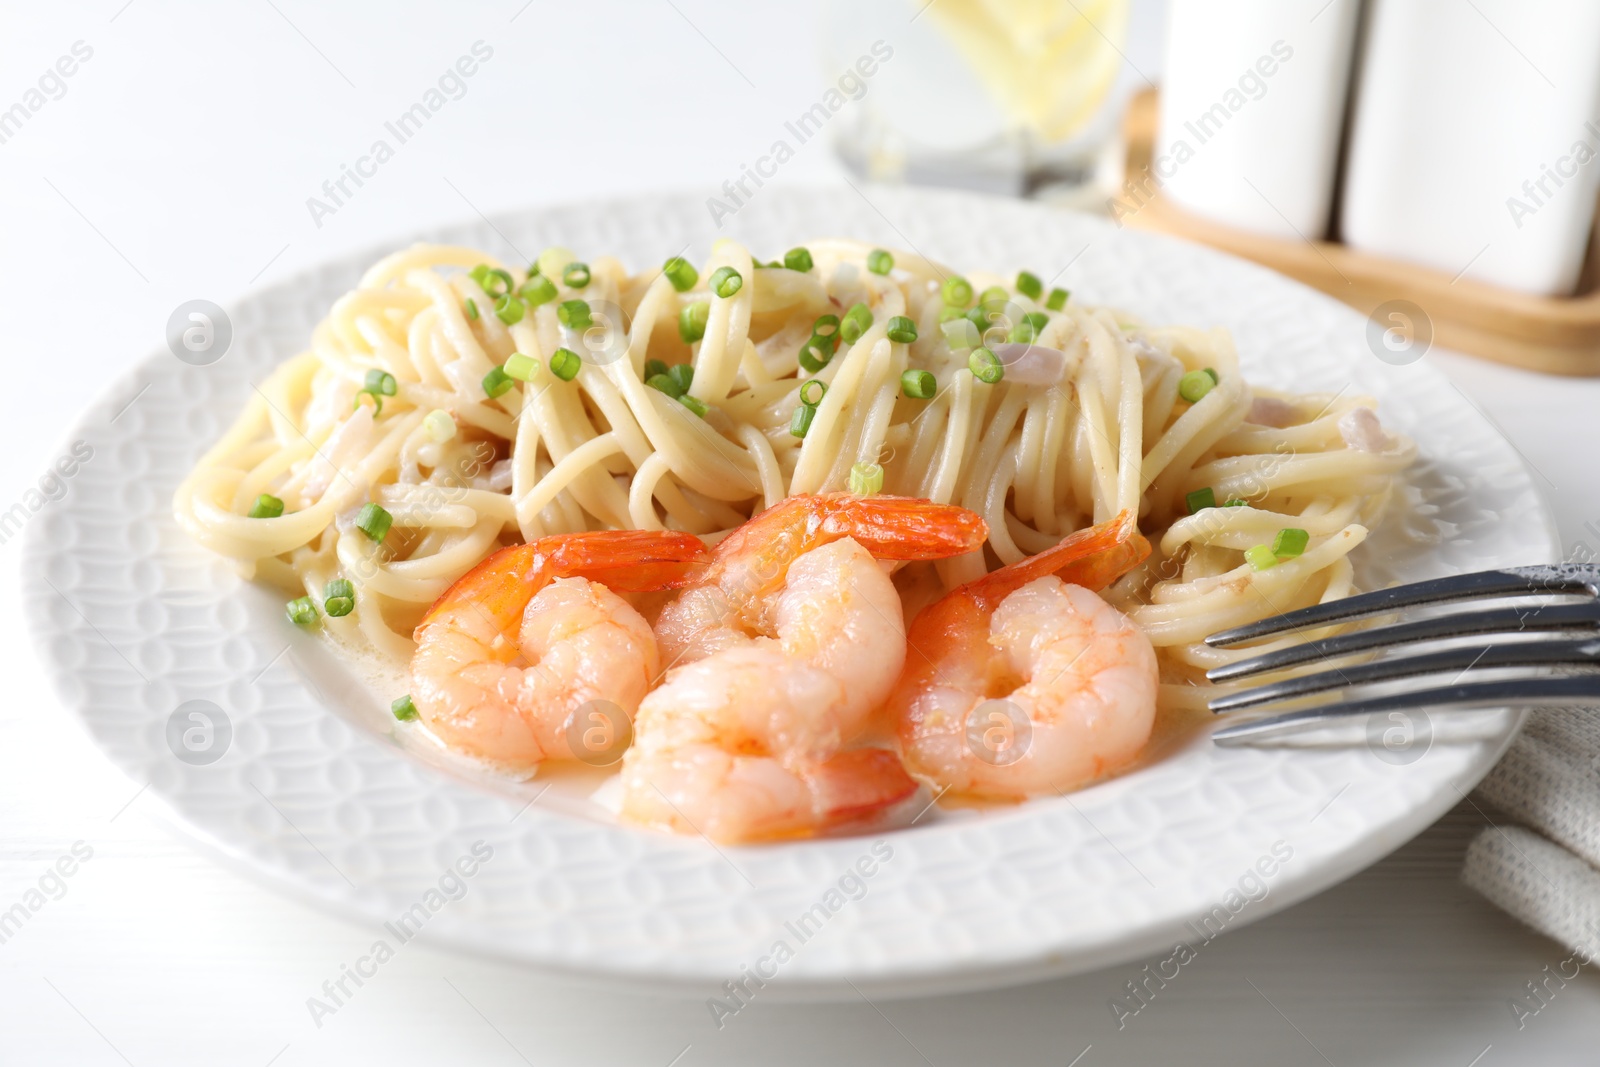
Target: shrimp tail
(898, 527)
(625, 560)
(631, 561)
(859, 783)
(1093, 558)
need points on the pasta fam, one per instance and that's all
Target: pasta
(451, 404)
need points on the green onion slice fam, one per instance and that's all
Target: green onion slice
(902, 330)
(694, 404)
(918, 384)
(985, 366)
(266, 506)
(1201, 499)
(509, 310)
(798, 259)
(1058, 299)
(404, 709)
(866, 479)
(956, 291)
(812, 392)
(339, 598)
(380, 381)
(1260, 557)
(565, 364)
(575, 275)
(857, 321)
(1290, 542)
(825, 326)
(521, 367)
(664, 383)
(1029, 285)
(1194, 385)
(302, 611)
(374, 521)
(497, 383)
(537, 290)
(681, 273)
(575, 314)
(880, 261)
(472, 309)
(725, 281)
(653, 367)
(692, 321)
(800, 422)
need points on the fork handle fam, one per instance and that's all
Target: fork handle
(1573, 691)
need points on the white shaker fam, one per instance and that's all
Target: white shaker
(1474, 142)
(1252, 108)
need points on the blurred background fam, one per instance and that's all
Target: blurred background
(1427, 161)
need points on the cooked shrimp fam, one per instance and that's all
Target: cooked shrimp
(785, 646)
(1026, 681)
(525, 639)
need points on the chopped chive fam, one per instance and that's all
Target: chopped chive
(472, 309)
(339, 598)
(653, 367)
(537, 290)
(665, 384)
(1058, 299)
(798, 259)
(404, 709)
(1235, 502)
(565, 364)
(692, 321)
(553, 260)
(575, 275)
(681, 273)
(956, 291)
(1029, 285)
(857, 321)
(902, 330)
(825, 326)
(918, 384)
(1195, 385)
(1201, 499)
(521, 367)
(880, 261)
(960, 334)
(380, 381)
(866, 479)
(266, 506)
(725, 281)
(812, 392)
(1290, 542)
(800, 422)
(1260, 557)
(1212, 374)
(374, 521)
(985, 366)
(683, 374)
(497, 383)
(509, 310)
(575, 315)
(302, 611)
(815, 354)
(439, 425)
(694, 404)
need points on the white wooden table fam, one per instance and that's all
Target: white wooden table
(176, 163)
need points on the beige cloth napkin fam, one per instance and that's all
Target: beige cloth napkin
(1546, 871)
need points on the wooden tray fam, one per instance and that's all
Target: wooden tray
(1553, 335)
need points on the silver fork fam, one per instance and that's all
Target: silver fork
(1577, 646)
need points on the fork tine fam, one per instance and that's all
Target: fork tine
(1575, 691)
(1517, 581)
(1475, 657)
(1459, 624)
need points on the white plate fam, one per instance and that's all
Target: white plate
(310, 792)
